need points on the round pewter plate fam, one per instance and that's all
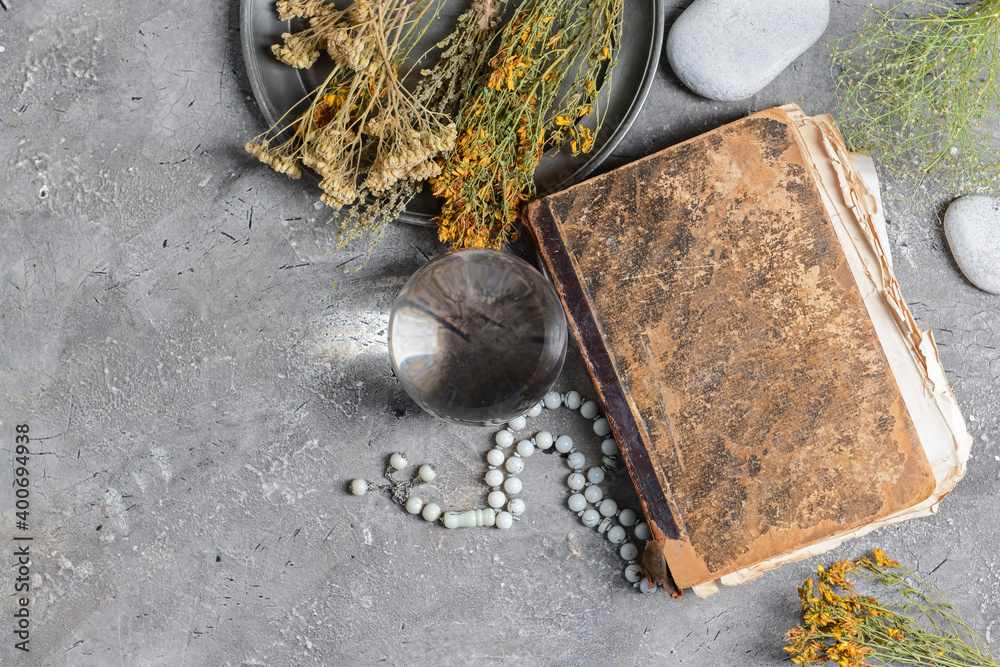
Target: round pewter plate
(279, 88)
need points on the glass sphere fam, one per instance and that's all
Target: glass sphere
(477, 336)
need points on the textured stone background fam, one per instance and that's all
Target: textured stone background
(177, 325)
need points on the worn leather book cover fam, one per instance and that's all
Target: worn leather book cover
(758, 386)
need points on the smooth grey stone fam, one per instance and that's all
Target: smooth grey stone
(972, 227)
(729, 49)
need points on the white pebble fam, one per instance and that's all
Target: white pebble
(431, 512)
(573, 400)
(616, 535)
(602, 427)
(577, 502)
(398, 461)
(576, 460)
(536, 409)
(589, 410)
(591, 517)
(504, 438)
(359, 487)
(496, 499)
(627, 517)
(514, 465)
(642, 531)
(576, 481)
(609, 447)
(608, 507)
(593, 494)
(633, 572)
(517, 423)
(628, 551)
(552, 400)
(504, 520)
(516, 507)
(493, 478)
(414, 505)
(525, 448)
(595, 475)
(512, 485)
(427, 472)
(495, 457)
(543, 440)
(564, 443)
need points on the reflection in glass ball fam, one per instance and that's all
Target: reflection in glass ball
(477, 336)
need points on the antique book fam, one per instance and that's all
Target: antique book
(735, 303)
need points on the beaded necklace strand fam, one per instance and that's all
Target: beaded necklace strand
(506, 460)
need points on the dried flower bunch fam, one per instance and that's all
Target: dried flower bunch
(919, 88)
(542, 82)
(374, 142)
(363, 132)
(918, 626)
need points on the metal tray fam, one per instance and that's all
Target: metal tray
(278, 87)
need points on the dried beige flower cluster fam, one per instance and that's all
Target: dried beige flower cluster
(363, 132)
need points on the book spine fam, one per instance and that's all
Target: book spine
(616, 407)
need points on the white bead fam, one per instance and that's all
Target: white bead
(414, 505)
(595, 475)
(573, 400)
(633, 572)
(616, 535)
(517, 423)
(359, 487)
(577, 502)
(564, 443)
(591, 517)
(512, 485)
(647, 586)
(593, 494)
(470, 518)
(504, 438)
(602, 427)
(543, 440)
(525, 448)
(504, 520)
(431, 512)
(514, 465)
(608, 507)
(576, 481)
(496, 499)
(552, 400)
(516, 507)
(495, 457)
(576, 460)
(493, 478)
(398, 461)
(609, 447)
(610, 462)
(642, 531)
(627, 517)
(628, 551)
(603, 526)
(427, 472)
(536, 409)
(589, 410)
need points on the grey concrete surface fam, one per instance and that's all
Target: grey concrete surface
(203, 380)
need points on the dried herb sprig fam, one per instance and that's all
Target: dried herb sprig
(361, 121)
(918, 626)
(919, 88)
(543, 79)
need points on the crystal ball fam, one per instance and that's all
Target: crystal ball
(477, 336)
